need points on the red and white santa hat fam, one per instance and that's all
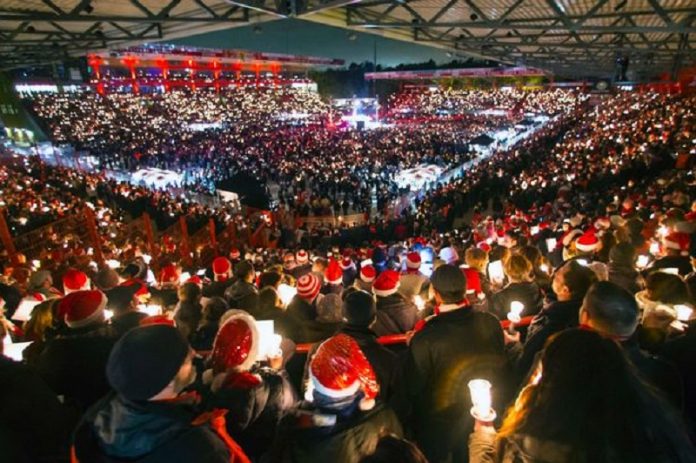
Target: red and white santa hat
(473, 281)
(196, 280)
(235, 254)
(677, 241)
(308, 286)
(413, 260)
(82, 308)
(75, 280)
(222, 269)
(588, 242)
(386, 284)
(169, 274)
(347, 263)
(302, 257)
(339, 369)
(368, 274)
(333, 273)
(236, 348)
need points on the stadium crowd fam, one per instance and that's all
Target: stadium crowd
(581, 236)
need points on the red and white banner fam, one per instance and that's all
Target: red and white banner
(447, 73)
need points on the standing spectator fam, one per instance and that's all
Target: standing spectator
(586, 405)
(395, 314)
(521, 287)
(430, 397)
(622, 260)
(204, 336)
(74, 361)
(147, 418)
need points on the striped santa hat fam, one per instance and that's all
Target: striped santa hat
(308, 286)
(302, 257)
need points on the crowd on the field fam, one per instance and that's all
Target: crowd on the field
(582, 235)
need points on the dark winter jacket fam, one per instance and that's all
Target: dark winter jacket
(34, 425)
(453, 348)
(552, 319)
(626, 277)
(300, 309)
(74, 364)
(395, 315)
(123, 323)
(681, 351)
(217, 288)
(256, 403)
(116, 430)
(242, 295)
(310, 435)
(657, 372)
(682, 263)
(528, 294)
(384, 362)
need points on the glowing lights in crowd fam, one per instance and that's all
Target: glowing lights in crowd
(480, 391)
(286, 293)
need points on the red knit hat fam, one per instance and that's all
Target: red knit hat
(236, 345)
(413, 260)
(169, 274)
(588, 242)
(678, 241)
(333, 273)
(308, 286)
(222, 269)
(235, 254)
(82, 308)
(75, 280)
(386, 284)
(368, 274)
(302, 257)
(339, 369)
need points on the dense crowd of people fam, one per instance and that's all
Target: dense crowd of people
(579, 238)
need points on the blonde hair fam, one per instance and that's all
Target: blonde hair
(518, 268)
(476, 258)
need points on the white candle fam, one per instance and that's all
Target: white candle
(544, 268)
(683, 312)
(480, 391)
(112, 263)
(286, 293)
(516, 308)
(654, 248)
(642, 261)
(420, 303)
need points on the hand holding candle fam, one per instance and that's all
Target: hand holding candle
(515, 314)
(420, 303)
(642, 261)
(481, 410)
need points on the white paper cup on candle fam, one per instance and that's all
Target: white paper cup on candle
(642, 261)
(654, 248)
(420, 303)
(683, 312)
(515, 313)
(480, 391)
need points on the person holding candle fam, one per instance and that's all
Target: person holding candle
(622, 267)
(675, 253)
(585, 405)
(454, 347)
(256, 397)
(521, 287)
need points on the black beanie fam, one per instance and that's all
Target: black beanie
(359, 308)
(145, 360)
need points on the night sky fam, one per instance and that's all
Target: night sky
(300, 37)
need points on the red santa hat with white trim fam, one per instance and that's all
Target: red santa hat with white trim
(368, 274)
(222, 269)
(169, 274)
(677, 241)
(588, 242)
(75, 280)
(386, 284)
(333, 273)
(235, 254)
(340, 370)
(347, 263)
(413, 260)
(83, 308)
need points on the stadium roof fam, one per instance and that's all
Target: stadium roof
(576, 37)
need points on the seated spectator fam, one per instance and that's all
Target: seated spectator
(303, 307)
(188, 312)
(342, 422)
(585, 404)
(675, 254)
(256, 397)
(147, 418)
(521, 287)
(613, 312)
(657, 304)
